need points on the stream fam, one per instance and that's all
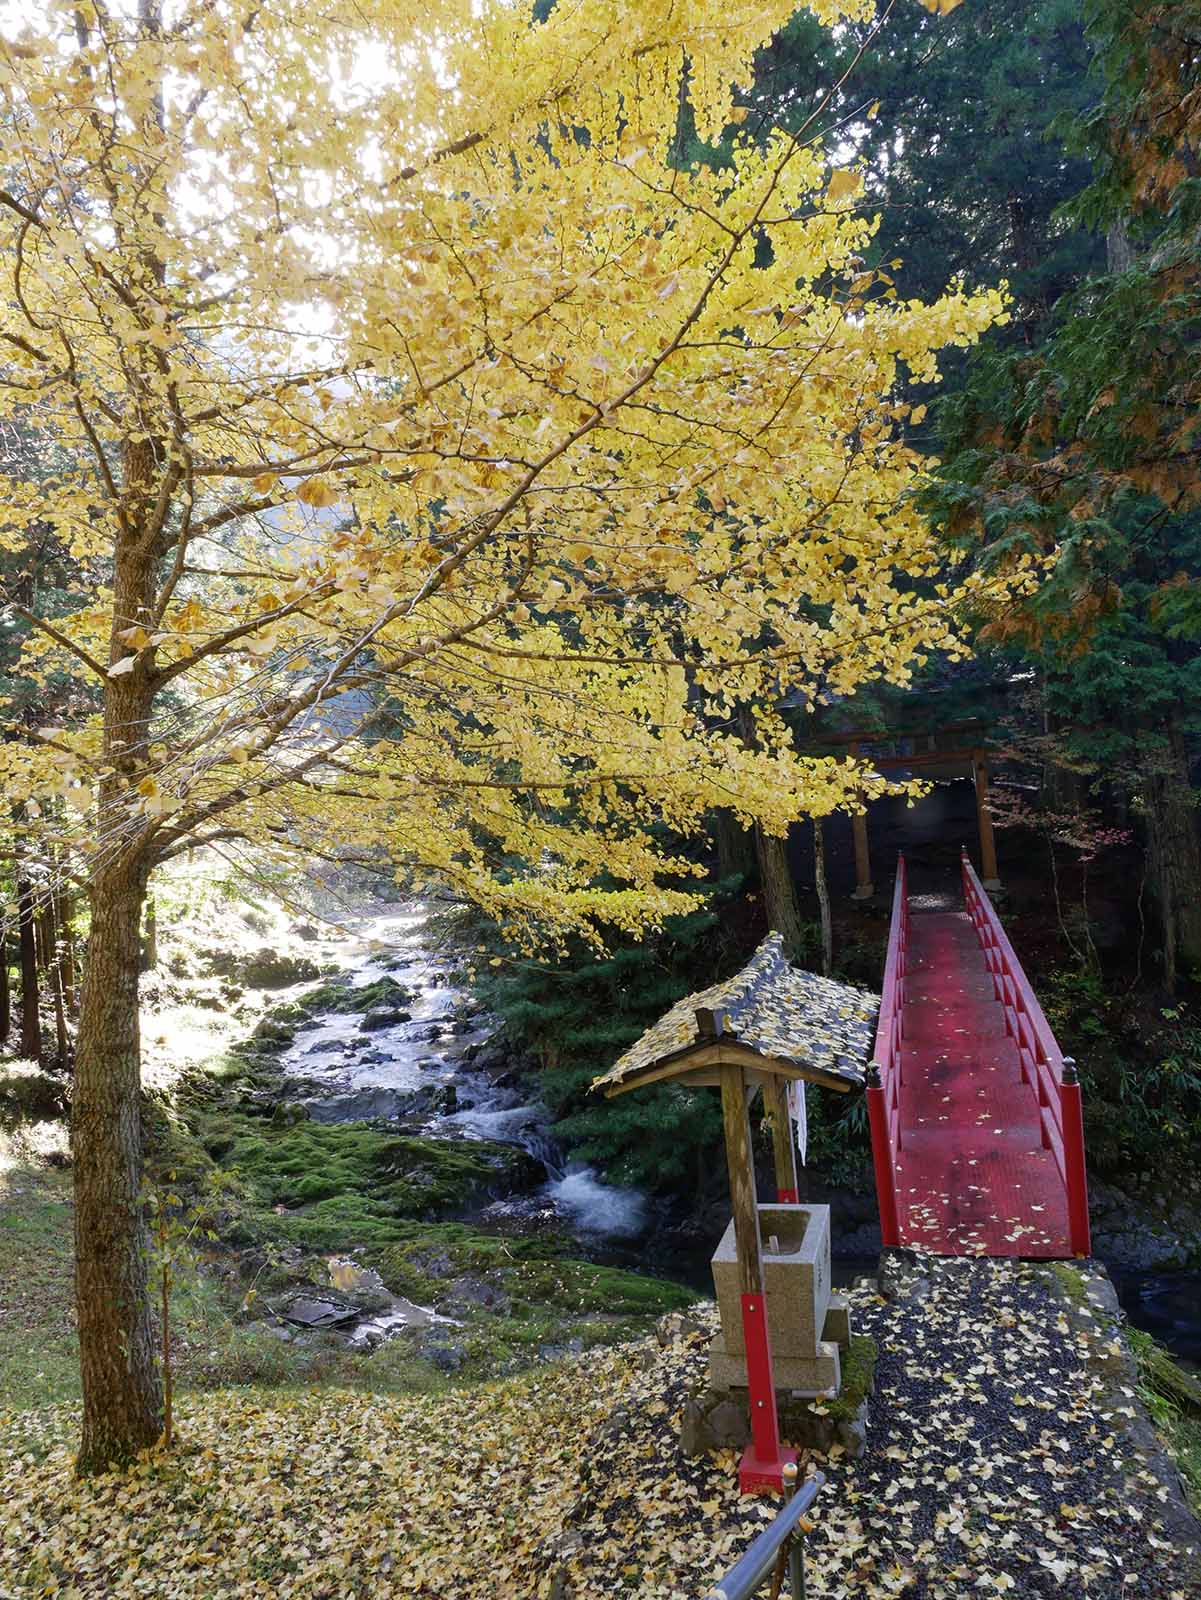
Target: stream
(438, 1051)
(437, 1069)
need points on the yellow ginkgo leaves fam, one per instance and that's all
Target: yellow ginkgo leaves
(941, 8)
(844, 182)
(317, 493)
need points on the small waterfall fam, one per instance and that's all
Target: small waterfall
(399, 1058)
(599, 1208)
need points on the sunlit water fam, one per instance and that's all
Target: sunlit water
(341, 1060)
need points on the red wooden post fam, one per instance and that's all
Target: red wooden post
(886, 1183)
(763, 1461)
(1072, 1120)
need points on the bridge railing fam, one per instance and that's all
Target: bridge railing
(1050, 1074)
(779, 1546)
(884, 1072)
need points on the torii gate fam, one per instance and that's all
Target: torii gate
(767, 1026)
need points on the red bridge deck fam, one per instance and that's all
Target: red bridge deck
(972, 1176)
(976, 1126)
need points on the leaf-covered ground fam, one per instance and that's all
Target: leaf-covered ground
(997, 1463)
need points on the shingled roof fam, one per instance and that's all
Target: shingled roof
(797, 1024)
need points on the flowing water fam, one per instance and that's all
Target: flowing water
(349, 1074)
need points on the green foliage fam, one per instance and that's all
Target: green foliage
(576, 1017)
(954, 118)
(858, 1372)
(1173, 1397)
(1140, 1070)
(839, 1139)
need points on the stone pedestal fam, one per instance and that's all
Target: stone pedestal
(806, 1323)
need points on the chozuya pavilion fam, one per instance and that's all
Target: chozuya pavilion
(767, 1027)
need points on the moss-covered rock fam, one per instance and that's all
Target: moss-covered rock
(263, 969)
(533, 1273)
(401, 1176)
(341, 996)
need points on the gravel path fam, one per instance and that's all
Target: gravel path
(999, 1461)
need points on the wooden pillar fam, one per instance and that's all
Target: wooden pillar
(864, 887)
(988, 849)
(741, 1163)
(775, 1103)
(763, 1460)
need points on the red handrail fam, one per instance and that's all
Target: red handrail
(884, 1072)
(1050, 1074)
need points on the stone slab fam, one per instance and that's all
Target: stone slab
(796, 1280)
(819, 1374)
(837, 1326)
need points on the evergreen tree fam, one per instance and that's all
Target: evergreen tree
(1086, 451)
(576, 1015)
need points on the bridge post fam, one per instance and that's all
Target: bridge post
(1071, 1113)
(886, 1185)
(775, 1103)
(988, 848)
(864, 887)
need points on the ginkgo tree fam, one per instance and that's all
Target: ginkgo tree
(450, 471)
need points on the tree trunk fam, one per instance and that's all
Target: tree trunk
(61, 1040)
(735, 846)
(70, 971)
(1174, 857)
(47, 943)
(1119, 252)
(150, 937)
(122, 1398)
(823, 893)
(6, 1014)
(31, 1025)
(779, 895)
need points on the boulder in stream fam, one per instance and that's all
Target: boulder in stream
(383, 1017)
(359, 1105)
(317, 1311)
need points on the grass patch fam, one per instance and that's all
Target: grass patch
(39, 1355)
(1173, 1398)
(1072, 1282)
(858, 1372)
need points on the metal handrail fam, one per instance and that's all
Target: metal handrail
(780, 1540)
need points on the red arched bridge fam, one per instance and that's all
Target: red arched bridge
(975, 1112)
